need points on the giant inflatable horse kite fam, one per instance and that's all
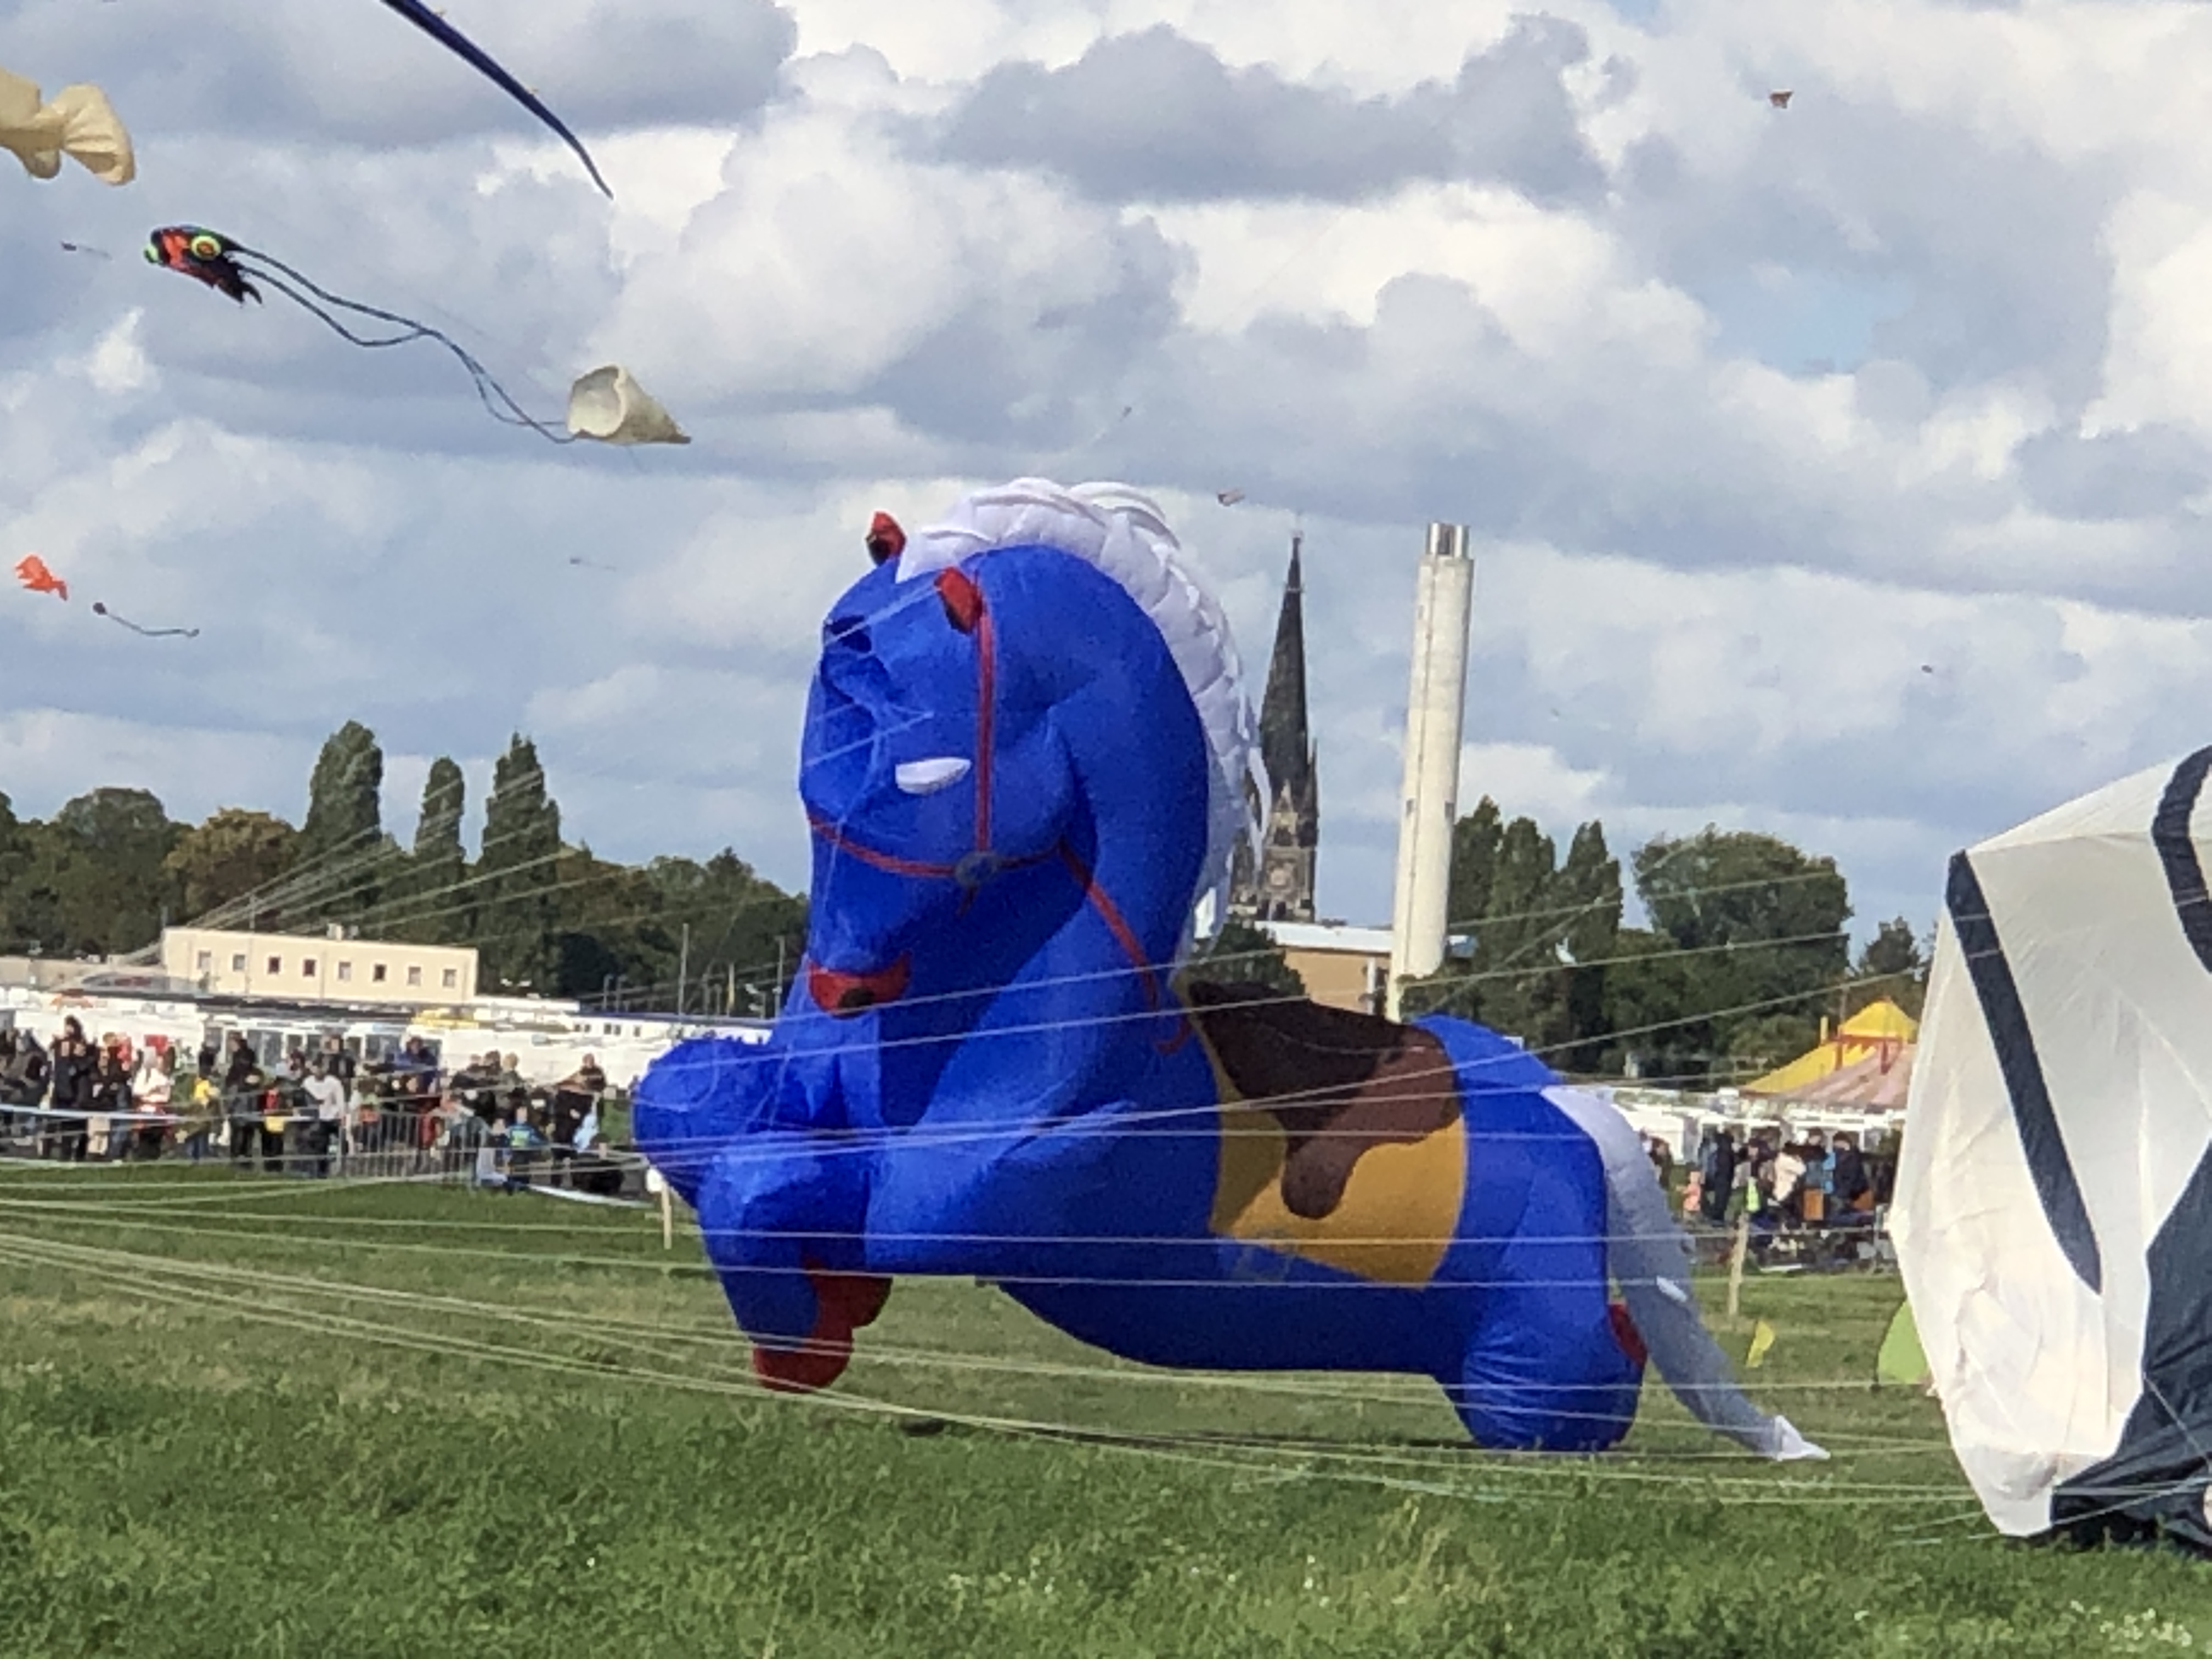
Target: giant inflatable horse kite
(1026, 756)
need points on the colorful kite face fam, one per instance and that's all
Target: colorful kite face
(205, 256)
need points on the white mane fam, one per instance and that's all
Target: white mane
(1124, 535)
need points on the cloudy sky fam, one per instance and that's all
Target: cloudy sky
(1840, 471)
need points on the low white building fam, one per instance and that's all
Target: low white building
(320, 967)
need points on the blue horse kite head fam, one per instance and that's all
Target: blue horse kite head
(1025, 713)
(1027, 755)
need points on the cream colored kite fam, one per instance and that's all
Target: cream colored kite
(80, 124)
(608, 405)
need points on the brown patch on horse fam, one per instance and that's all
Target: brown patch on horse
(1339, 1083)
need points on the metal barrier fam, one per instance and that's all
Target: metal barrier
(376, 1143)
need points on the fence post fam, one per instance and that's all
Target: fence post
(1735, 1264)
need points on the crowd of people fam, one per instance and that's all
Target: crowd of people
(314, 1114)
(1814, 1183)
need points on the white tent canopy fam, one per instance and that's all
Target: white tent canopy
(2054, 1203)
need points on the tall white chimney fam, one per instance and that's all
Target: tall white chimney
(1430, 803)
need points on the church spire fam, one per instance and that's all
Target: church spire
(1285, 744)
(1280, 887)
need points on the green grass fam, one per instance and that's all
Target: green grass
(249, 1418)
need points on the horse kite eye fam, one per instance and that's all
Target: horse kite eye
(963, 600)
(926, 777)
(886, 541)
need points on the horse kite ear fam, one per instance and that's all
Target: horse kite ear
(886, 541)
(963, 600)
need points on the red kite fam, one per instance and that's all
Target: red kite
(30, 571)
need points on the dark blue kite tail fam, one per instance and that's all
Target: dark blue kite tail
(454, 41)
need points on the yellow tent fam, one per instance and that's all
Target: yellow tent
(1881, 1032)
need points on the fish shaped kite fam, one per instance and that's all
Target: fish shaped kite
(30, 571)
(36, 575)
(475, 56)
(606, 405)
(79, 123)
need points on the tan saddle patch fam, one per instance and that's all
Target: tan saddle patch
(1341, 1141)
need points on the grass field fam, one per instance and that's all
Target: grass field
(241, 1417)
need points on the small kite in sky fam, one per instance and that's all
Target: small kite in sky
(1779, 100)
(606, 404)
(475, 56)
(79, 123)
(99, 609)
(32, 572)
(80, 247)
(1229, 497)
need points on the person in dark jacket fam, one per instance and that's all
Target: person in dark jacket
(242, 1098)
(73, 1062)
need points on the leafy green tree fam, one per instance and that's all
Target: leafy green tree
(1652, 997)
(1240, 953)
(432, 903)
(235, 853)
(1541, 936)
(1764, 921)
(1475, 845)
(1893, 964)
(92, 881)
(516, 910)
(341, 844)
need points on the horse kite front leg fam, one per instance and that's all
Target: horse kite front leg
(781, 1202)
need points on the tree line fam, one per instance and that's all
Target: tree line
(1744, 953)
(110, 869)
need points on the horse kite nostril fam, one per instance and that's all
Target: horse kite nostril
(839, 993)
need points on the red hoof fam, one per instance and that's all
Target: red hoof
(1626, 1333)
(844, 1301)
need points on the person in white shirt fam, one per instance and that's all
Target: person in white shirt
(326, 1098)
(153, 1090)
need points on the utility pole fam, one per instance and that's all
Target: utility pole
(682, 966)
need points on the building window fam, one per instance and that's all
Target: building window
(275, 964)
(238, 963)
(204, 961)
(414, 975)
(376, 972)
(306, 967)
(345, 972)
(450, 978)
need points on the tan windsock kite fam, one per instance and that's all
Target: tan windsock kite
(79, 123)
(608, 405)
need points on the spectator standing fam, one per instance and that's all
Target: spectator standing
(526, 1142)
(242, 1089)
(73, 1062)
(326, 1094)
(154, 1093)
(1848, 1181)
(1817, 1173)
(1719, 1175)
